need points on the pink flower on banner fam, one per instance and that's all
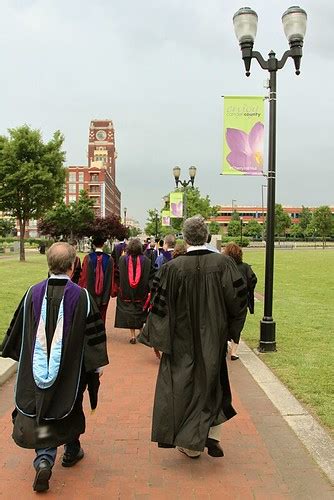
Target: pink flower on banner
(176, 209)
(246, 149)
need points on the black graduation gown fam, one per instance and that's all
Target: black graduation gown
(130, 301)
(198, 298)
(87, 278)
(84, 350)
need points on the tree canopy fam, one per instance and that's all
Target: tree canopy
(323, 221)
(32, 176)
(69, 221)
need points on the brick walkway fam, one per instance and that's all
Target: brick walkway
(263, 458)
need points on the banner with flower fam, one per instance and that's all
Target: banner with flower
(243, 135)
(165, 218)
(176, 204)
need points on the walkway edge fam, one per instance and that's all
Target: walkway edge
(7, 369)
(314, 437)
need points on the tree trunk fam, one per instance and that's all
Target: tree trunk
(22, 235)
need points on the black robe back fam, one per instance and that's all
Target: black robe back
(198, 298)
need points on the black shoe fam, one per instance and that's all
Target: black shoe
(43, 474)
(214, 448)
(133, 340)
(70, 460)
(234, 358)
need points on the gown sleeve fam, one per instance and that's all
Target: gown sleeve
(95, 346)
(11, 346)
(156, 332)
(235, 294)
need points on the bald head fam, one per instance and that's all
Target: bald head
(60, 258)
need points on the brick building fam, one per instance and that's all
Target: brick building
(99, 177)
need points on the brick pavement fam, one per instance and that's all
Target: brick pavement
(263, 458)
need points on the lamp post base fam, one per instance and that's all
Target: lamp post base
(267, 336)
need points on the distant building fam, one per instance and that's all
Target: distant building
(99, 177)
(259, 213)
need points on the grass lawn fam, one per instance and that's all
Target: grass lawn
(303, 311)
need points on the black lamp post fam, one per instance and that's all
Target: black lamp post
(184, 184)
(125, 209)
(263, 186)
(245, 26)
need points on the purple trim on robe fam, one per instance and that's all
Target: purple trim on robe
(105, 259)
(71, 298)
(167, 255)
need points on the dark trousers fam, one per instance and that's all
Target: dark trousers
(50, 454)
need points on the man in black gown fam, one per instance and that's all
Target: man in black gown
(58, 337)
(198, 297)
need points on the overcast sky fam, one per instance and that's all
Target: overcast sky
(157, 68)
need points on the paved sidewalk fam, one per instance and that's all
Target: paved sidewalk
(263, 457)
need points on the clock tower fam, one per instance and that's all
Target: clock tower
(101, 146)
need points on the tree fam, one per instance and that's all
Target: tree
(305, 218)
(134, 231)
(214, 227)
(234, 228)
(253, 229)
(323, 222)
(69, 221)
(195, 205)
(235, 215)
(32, 176)
(7, 227)
(282, 220)
(296, 231)
(109, 227)
(153, 224)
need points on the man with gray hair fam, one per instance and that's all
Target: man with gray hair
(59, 340)
(198, 300)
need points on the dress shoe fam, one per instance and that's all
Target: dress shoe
(214, 448)
(70, 460)
(43, 474)
(133, 340)
(189, 453)
(234, 358)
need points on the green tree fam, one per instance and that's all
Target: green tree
(69, 221)
(134, 231)
(235, 215)
(282, 220)
(305, 218)
(296, 231)
(7, 226)
(234, 228)
(214, 227)
(323, 222)
(253, 229)
(32, 176)
(153, 224)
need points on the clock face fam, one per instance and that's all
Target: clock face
(101, 135)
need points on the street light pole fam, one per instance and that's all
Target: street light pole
(241, 231)
(245, 26)
(125, 209)
(156, 223)
(184, 184)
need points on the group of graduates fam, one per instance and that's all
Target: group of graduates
(187, 300)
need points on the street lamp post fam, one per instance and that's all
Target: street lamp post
(245, 26)
(184, 184)
(125, 209)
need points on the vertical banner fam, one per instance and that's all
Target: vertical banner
(165, 218)
(176, 204)
(243, 139)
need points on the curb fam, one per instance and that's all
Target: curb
(7, 369)
(314, 437)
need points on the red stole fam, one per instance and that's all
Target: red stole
(134, 277)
